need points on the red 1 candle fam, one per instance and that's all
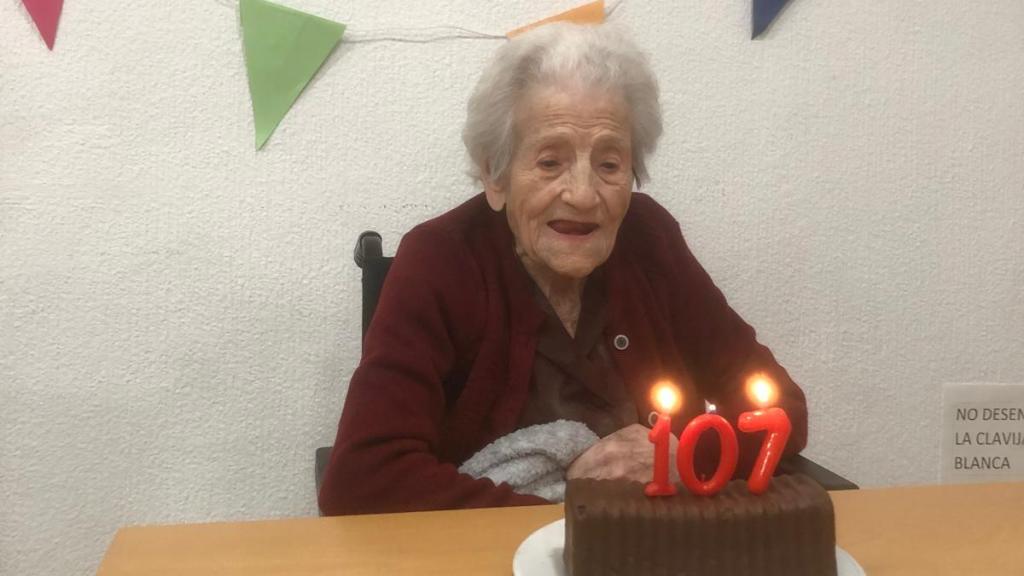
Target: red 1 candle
(777, 425)
(666, 399)
(726, 463)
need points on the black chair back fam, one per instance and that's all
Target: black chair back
(369, 255)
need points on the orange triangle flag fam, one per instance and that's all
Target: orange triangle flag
(592, 13)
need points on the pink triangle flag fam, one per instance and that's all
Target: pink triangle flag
(46, 14)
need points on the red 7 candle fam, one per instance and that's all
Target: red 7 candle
(775, 422)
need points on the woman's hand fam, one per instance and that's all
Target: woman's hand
(626, 453)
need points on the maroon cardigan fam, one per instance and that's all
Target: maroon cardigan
(447, 360)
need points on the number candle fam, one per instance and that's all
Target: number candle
(775, 422)
(667, 399)
(727, 460)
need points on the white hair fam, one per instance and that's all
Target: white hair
(594, 56)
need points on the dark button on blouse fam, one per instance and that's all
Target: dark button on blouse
(576, 378)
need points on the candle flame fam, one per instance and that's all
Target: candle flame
(762, 390)
(666, 397)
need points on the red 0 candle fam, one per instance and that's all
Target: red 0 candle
(728, 458)
(778, 427)
(667, 399)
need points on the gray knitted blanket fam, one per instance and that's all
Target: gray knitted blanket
(533, 460)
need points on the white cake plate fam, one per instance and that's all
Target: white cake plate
(541, 554)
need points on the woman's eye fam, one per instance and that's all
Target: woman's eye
(610, 166)
(548, 164)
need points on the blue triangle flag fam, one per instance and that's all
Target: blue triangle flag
(764, 12)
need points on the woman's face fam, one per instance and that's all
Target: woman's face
(570, 179)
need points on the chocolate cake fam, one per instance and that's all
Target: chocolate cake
(613, 529)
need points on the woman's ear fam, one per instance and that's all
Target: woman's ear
(494, 190)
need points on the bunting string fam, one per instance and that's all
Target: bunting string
(420, 35)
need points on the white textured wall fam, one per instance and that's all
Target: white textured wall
(179, 315)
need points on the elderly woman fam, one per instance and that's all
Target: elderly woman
(557, 294)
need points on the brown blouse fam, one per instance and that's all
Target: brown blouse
(575, 378)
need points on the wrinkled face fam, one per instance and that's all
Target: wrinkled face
(570, 180)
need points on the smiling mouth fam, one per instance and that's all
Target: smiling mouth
(572, 228)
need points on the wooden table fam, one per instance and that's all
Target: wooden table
(972, 530)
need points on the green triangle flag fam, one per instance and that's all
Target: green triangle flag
(283, 50)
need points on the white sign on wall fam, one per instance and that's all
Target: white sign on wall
(983, 432)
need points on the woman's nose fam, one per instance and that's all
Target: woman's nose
(580, 191)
